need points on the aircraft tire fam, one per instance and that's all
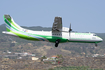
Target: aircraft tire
(57, 42)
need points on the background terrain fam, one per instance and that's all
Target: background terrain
(67, 50)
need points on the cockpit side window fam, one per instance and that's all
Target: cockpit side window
(94, 35)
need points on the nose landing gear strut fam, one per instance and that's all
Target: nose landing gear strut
(96, 44)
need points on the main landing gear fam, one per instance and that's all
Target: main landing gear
(57, 42)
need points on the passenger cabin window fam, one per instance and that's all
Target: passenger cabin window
(58, 34)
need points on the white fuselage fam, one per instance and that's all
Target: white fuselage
(73, 36)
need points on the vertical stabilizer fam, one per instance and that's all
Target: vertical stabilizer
(10, 24)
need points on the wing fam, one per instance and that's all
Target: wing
(57, 25)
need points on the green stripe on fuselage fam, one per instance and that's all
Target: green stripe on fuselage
(85, 41)
(24, 36)
(53, 38)
(82, 34)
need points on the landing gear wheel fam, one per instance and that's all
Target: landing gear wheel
(95, 44)
(57, 42)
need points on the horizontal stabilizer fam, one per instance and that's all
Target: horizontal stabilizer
(8, 33)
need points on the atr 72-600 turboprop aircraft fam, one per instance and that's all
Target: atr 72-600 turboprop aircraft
(57, 35)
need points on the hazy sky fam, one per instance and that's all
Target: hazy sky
(84, 15)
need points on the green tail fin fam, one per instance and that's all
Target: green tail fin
(10, 24)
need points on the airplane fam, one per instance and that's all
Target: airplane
(58, 34)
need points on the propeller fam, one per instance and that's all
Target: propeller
(70, 29)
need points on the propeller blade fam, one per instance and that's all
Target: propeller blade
(70, 28)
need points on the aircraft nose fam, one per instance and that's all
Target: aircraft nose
(101, 39)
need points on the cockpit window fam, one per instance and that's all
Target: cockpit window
(94, 35)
